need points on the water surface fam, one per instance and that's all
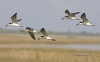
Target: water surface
(65, 46)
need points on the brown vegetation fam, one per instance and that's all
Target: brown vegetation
(48, 55)
(25, 38)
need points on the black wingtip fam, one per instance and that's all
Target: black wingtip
(42, 29)
(84, 13)
(53, 40)
(78, 12)
(29, 28)
(66, 10)
(19, 19)
(16, 13)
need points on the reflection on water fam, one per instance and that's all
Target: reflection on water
(67, 46)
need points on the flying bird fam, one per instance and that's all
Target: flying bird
(15, 22)
(45, 35)
(85, 21)
(70, 15)
(31, 31)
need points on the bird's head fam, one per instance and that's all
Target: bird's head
(40, 38)
(64, 17)
(25, 30)
(79, 23)
(8, 24)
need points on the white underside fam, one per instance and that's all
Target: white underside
(14, 24)
(47, 37)
(87, 24)
(72, 18)
(34, 31)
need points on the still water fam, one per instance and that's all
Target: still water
(65, 46)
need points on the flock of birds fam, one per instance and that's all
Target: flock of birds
(31, 31)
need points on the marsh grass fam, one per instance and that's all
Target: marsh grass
(47, 55)
(25, 38)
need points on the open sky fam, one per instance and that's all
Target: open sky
(48, 14)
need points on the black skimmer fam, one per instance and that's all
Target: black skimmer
(70, 15)
(45, 35)
(31, 31)
(85, 21)
(15, 22)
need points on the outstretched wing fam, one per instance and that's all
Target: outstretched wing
(75, 13)
(32, 35)
(43, 32)
(83, 17)
(14, 18)
(19, 20)
(29, 28)
(69, 14)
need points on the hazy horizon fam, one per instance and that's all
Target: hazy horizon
(48, 13)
